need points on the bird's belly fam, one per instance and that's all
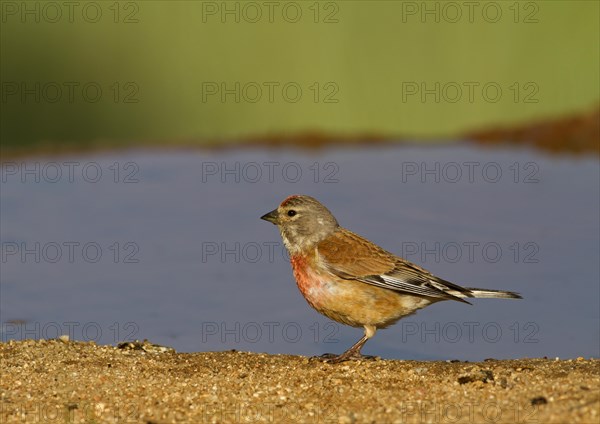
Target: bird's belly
(352, 302)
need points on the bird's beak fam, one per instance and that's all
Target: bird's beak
(271, 216)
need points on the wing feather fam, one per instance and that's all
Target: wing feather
(351, 257)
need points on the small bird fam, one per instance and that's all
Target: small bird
(353, 281)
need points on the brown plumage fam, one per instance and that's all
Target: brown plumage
(349, 255)
(352, 280)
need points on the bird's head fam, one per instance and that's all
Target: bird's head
(303, 222)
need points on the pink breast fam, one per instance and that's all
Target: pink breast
(308, 281)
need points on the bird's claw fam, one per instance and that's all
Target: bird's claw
(332, 358)
(325, 356)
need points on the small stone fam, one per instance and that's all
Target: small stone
(539, 400)
(64, 338)
(482, 376)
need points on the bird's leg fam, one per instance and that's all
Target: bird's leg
(354, 352)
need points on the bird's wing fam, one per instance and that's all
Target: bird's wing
(351, 257)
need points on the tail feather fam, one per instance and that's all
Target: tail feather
(459, 293)
(493, 294)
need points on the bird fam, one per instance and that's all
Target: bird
(353, 281)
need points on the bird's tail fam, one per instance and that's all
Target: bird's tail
(459, 293)
(492, 294)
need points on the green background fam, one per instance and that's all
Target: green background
(362, 53)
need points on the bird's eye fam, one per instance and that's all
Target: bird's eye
(291, 212)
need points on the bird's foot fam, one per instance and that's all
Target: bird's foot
(332, 358)
(325, 357)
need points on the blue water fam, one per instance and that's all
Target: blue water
(170, 247)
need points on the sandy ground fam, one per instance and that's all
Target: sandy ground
(70, 382)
